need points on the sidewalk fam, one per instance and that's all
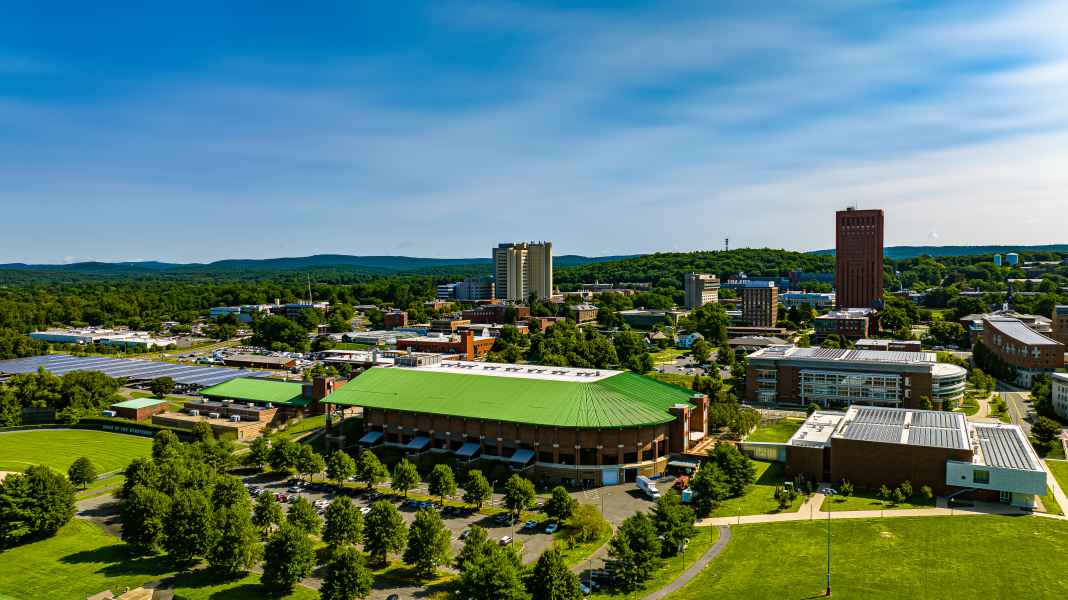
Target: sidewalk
(811, 511)
(694, 569)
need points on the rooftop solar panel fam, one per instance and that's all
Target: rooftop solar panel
(60, 364)
(1005, 447)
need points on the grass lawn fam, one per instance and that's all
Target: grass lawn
(79, 561)
(759, 499)
(1060, 472)
(352, 346)
(777, 431)
(579, 552)
(970, 406)
(944, 557)
(305, 425)
(1050, 502)
(668, 355)
(1055, 451)
(59, 448)
(672, 567)
(200, 585)
(869, 500)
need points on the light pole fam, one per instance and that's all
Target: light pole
(828, 492)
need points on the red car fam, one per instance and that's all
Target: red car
(682, 482)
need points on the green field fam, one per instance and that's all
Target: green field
(869, 500)
(79, 561)
(778, 431)
(202, 585)
(759, 499)
(59, 448)
(1059, 468)
(948, 558)
(670, 568)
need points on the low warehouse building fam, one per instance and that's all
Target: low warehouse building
(875, 446)
(139, 409)
(584, 426)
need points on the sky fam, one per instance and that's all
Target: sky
(253, 129)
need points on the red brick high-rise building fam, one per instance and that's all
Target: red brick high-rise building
(858, 277)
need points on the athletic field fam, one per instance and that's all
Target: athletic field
(58, 448)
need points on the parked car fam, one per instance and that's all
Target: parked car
(682, 482)
(294, 489)
(551, 528)
(530, 525)
(464, 534)
(505, 540)
(364, 510)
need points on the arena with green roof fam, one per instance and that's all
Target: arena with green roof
(261, 391)
(578, 425)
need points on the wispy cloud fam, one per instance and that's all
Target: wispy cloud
(607, 132)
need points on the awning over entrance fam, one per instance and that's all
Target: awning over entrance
(371, 437)
(468, 450)
(418, 444)
(522, 456)
(686, 463)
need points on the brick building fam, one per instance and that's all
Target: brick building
(394, 319)
(875, 446)
(1032, 353)
(1059, 324)
(853, 324)
(858, 279)
(760, 303)
(584, 426)
(139, 409)
(465, 343)
(582, 313)
(496, 313)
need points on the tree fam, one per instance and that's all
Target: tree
(475, 547)
(738, 469)
(284, 455)
(710, 487)
(552, 579)
(674, 523)
(477, 489)
(302, 515)
(811, 408)
(140, 471)
(441, 482)
(143, 513)
(560, 505)
(229, 492)
(370, 470)
(279, 333)
(926, 492)
(237, 547)
(518, 494)
(259, 451)
(700, 352)
(496, 574)
(161, 386)
(637, 549)
(405, 476)
(189, 529)
(34, 504)
(711, 321)
(81, 472)
(898, 496)
(845, 489)
(588, 523)
(287, 558)
(347, 576)
(1045, 429)
(164, 445)
(310, 462)
(884, 493)
(344, 524)
(202, 432)
(383, 532)
(428, 543)
(906, 489)
(340, 466)
(925, 403)
(267, 513)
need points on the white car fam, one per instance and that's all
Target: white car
(364, 510)
(506, 540)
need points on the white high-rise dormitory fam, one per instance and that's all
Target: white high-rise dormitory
(522, 269)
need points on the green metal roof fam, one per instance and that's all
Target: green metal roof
(622, 400)
(247, 389)
(136, 403)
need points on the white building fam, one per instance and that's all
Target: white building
(1059, 394)
(523, 269)
(700, 289)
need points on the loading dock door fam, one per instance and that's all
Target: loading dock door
(610, 476)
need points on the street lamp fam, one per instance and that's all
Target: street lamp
(828, 492)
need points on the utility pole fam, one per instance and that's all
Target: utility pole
(829, 492)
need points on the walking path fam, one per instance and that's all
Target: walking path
(695, 568)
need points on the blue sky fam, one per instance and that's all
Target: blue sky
(231, 129)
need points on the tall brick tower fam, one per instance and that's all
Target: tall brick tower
(858, 276)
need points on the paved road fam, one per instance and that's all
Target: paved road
(1019, 409)
(695, 568)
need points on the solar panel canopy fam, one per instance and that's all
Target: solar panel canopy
(131, 369)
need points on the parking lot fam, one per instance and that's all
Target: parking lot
(533, 541)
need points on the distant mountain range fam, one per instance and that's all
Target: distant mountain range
(900, 252)
(370, 264)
